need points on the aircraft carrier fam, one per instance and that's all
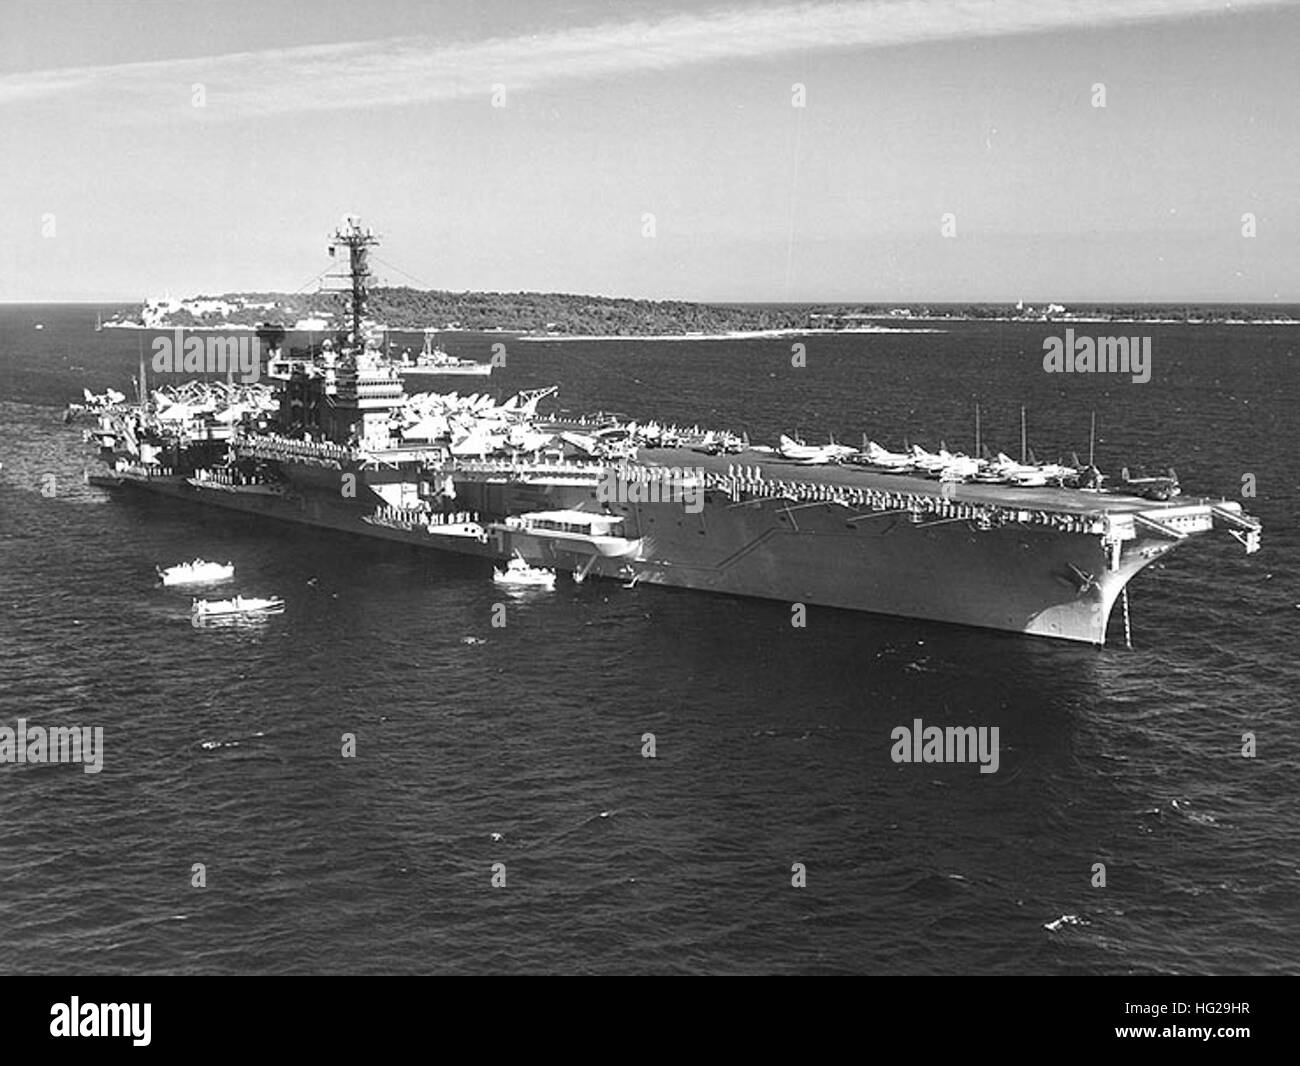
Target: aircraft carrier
(339, 443)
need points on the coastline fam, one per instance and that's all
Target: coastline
(520, 335)
(731, 335)
(756, 334)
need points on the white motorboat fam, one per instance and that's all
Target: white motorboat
(580, 532)
(239, 607)
(196, 573)
(520, 575)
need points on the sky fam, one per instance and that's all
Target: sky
(884, 151)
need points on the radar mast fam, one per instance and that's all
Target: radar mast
(358, 240)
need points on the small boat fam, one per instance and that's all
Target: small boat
(196, 573)
(40, 325)
(519, 574)
(581, 532)
(239, 607)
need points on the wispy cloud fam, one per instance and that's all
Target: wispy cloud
(417, 70)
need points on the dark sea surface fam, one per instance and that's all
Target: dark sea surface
(223, 746)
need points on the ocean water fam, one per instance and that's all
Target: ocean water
(222, 747)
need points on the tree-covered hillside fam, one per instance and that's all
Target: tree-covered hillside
(559, 313)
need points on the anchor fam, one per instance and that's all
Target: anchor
(1085, 581)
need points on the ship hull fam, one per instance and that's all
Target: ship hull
(1025, 580)
(478, 370)
(1033, 581)
(318, 510)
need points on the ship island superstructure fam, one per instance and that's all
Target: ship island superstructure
(336, 441)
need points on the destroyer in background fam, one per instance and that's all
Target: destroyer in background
(1037, 548)
(433, 361)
